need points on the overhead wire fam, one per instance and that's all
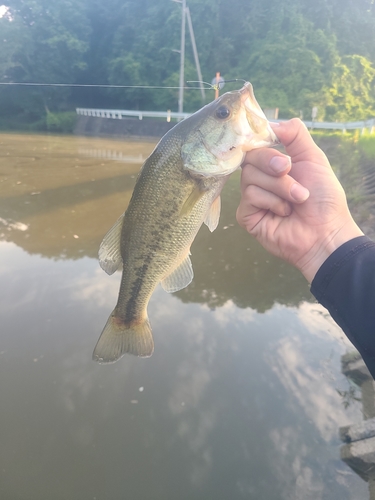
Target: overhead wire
(38, 84)
(85, 85)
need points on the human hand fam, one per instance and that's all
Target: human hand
(295, 206)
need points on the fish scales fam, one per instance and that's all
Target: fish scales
(153, 248)
(177, 190)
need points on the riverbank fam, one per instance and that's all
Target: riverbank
(352, 157)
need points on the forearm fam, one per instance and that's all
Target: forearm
(345, 285)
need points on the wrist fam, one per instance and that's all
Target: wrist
(323, 249)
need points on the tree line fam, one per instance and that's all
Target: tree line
(297, 53)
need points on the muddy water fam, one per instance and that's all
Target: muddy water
(241, 397)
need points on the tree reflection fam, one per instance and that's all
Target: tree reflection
(230, 265)
(58, 198)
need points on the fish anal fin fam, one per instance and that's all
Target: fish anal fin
(109, 251)
(180, 277)
(213, 215)
(192, 200)
(118, 338)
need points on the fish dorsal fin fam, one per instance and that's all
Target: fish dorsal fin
(180, 277)
(192, 200)
(109, 251)
(213, 215)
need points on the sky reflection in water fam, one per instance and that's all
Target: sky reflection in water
(240, 397)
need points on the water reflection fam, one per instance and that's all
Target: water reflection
(62, 206)
(231, 266)
(235, 404)
(67, 199)
(112, 155)
(240, 399)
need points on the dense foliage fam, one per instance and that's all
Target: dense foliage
(297, 54)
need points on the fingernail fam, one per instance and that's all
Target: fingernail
(299, 193)
(280, 163)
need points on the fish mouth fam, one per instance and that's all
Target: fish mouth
(256, 117)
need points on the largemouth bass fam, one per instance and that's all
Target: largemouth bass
(178, 188)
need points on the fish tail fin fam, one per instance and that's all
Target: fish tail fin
(118, 338)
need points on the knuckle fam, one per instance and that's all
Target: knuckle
(251, 191)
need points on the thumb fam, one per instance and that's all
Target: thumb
(298, 142)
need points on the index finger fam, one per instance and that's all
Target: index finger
(270, 161)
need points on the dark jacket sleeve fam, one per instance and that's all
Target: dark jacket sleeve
(345, 285)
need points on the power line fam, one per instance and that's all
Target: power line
(29, 84)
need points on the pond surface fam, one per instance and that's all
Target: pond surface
(241, 399)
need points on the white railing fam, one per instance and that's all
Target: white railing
(123, 113)
(362, 125)
(168, 115)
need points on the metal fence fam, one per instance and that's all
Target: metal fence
(169, 115)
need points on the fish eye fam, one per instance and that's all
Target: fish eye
(222, 112)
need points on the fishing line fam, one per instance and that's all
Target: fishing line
(216, 86)
(210, 85)
(235, 80)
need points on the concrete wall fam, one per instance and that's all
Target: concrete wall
(127, 127)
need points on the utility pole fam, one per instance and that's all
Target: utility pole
(196, 58)
(182, 60)
(186, 15)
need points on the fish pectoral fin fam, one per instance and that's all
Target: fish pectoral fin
(180, 277)
(118, 339)
(109, 251)
(213, 215)
(192, 200)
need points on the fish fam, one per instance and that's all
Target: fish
(177, 190)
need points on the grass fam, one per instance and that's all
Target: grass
(62, 122)
(366, 143)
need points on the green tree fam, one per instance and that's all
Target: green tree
(351, 94)
(291, 66)
(297, 53)
(47, 42)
